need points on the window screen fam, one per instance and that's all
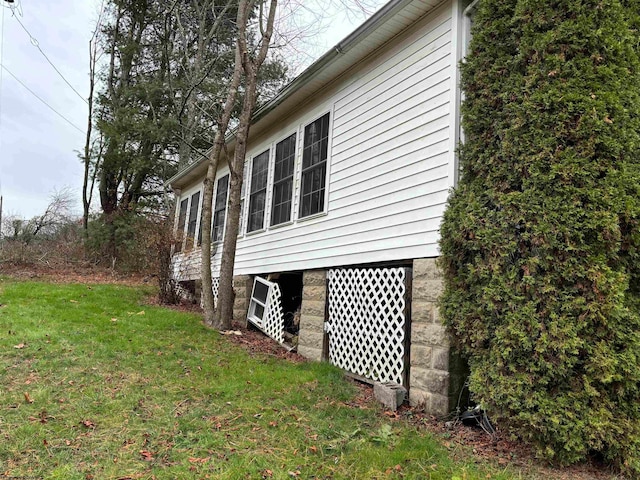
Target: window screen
(193, 217)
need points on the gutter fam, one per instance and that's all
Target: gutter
(389, 9)
(360, 33)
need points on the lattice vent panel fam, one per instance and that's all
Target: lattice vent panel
(273, 322)
(215, 287)
(367, 322)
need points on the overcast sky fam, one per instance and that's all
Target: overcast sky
(38, 148)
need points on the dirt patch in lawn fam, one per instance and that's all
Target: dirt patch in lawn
(257, 343)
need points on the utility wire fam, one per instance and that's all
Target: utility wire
(39, 98)
(1, 60)
(36, 44)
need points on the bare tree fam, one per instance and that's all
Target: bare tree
(57, 214)
(218, 144)
(251, 63)
(92, 149)
(250, 60)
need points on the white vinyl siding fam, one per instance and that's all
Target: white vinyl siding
(388, 161)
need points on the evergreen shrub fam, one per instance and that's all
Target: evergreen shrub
(541, 239)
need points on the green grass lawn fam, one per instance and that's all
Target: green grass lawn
(94, 384)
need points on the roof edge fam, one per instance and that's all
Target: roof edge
(387, 10)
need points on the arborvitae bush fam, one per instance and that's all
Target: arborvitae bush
(541, 240)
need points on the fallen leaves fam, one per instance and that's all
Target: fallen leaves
(27, 397)
(88, 424)
(397, 469)
(199, 460)
(19, 346)
(146, 455)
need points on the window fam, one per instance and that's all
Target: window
(258, 192)
(314, 166)
(182, 216)
(283, 181)
(220, 209)
(258, 302)
(193, 217)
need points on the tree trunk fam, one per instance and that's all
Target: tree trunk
(207, 200)
(224, 313)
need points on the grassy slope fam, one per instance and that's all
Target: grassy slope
(121, 390)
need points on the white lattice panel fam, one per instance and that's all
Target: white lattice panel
(367, 322)
(272, 322)
(215, 286)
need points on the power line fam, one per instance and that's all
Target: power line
(1, 60)
(36, 44)
(38, 97)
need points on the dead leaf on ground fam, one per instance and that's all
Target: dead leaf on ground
(73, 301)
(27, 397)
(19, 346)
(237, 333)
(141, 312)
(199, 460)
(146, 455)
(88, 423)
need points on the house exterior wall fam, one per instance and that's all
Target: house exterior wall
(388, 168)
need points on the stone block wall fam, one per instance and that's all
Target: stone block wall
(314, 295)
(429, 377)
(242, 285)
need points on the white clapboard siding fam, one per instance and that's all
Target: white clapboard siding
(186, 265)
(389, 161)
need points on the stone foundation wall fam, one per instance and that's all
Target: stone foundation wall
(429, 369)
(314, 295)
(242, 285)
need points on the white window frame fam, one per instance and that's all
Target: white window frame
(267, 149)
(226, 206)
(242, 227)
(467, 20)
(180, 249)
(298, 178)
(253, 301)
(272, 179)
